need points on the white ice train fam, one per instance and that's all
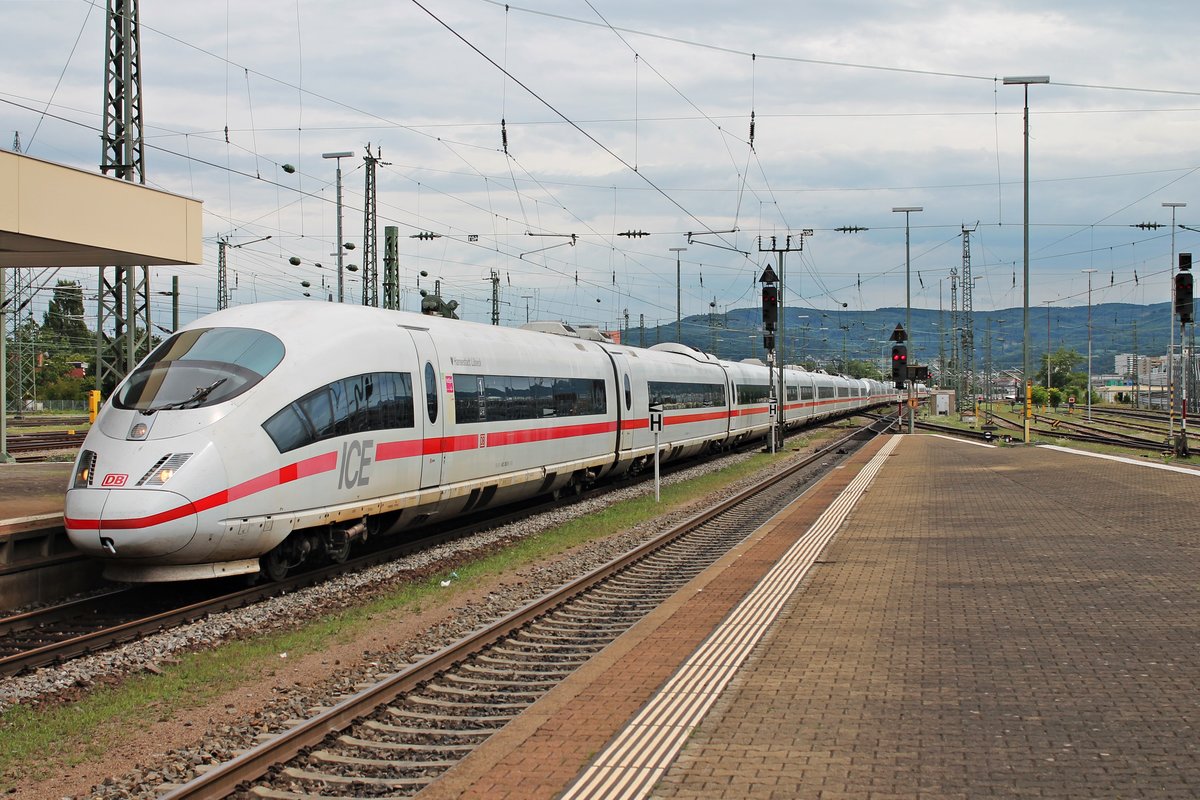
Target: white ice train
(265, 434)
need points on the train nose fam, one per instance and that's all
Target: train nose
(129, 523)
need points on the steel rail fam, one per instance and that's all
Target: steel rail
(225, 778)
(137, 625)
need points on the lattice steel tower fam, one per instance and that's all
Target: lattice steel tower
(968, 310)
(391, 267)
(955, 343)
(22, 358)
(22, 387)
(124, 292)
(370, 296)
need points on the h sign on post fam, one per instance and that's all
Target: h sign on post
(656, 413)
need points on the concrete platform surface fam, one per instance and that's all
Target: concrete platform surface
(988, 622)
(28, 490)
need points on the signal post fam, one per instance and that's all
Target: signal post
(1184, 309)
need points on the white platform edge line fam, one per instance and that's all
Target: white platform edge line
(665, 743)
(1122, 459)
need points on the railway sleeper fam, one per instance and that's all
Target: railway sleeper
(268, 793)
(484, 694)
(354, 741)
(408, 731)
(500, 683)
(525, 656)
(513, 672)
(486, 702)
(572, 628)
(538, 648)
(440, 720)
(324, 777)
(572, 635)
(565, 625)
(615, 617)
(328, 757)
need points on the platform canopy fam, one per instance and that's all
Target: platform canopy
(56, 216)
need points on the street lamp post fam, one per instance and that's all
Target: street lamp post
(1047, 304)
(678, 295)
(908, 210)
(1089, 272)
(1171, 328)
(338, 157)
(1025, 81)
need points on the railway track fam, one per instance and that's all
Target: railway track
(28, 447)
(57, 633)
(1069, 431)
(46, 421)
(397, 736)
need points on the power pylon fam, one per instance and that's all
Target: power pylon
(370, 296)
(391, 267)
(968, 310)
(123, 291)
(22, 388)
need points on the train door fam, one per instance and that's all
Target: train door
(431, 407)
(624, 414)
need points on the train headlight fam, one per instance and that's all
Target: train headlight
(164, 470)
(138, 431)
(84, 470)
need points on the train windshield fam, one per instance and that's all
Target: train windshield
(200, 368)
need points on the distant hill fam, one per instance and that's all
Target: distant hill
(816, 334)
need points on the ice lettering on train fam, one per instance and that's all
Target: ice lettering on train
(356, 461)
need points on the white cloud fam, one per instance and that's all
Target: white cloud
(837, 143)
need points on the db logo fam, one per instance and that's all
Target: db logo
(114, 480)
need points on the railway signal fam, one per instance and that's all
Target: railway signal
(1183, 289)
(899, 364)
(770, 307)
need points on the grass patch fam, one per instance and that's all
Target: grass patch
(35, 743)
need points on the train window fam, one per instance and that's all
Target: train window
(843, 391)
(318, 407)
(288, 429)
(793, 393)
(806, 393)
(372, 402)
(200, 367)
(628, 393)
(680, 394)
(825, 392)
(431, 392)
(496, 398)
(752, 393)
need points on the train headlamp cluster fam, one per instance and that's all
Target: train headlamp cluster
(85, 468)
(164, 470)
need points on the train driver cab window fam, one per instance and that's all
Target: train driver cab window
(200, 367)
(628, 394)
(431, 392)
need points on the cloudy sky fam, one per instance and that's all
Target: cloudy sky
(623, 116)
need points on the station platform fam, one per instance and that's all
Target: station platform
(31, 490)
(982, 622)
(37, 561)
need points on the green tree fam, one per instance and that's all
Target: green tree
(64, 317)
(1062, 367)
(64, 342)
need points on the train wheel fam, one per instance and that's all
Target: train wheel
(338, 548)
(275, 563)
